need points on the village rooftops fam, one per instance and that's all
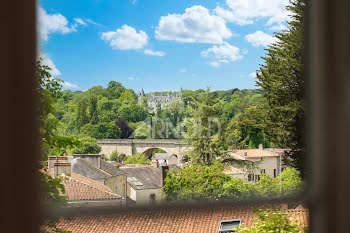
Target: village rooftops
(162, 156)
(143, 177)
(80, 188)
(87, 169)
(177, 219)
(256, 153)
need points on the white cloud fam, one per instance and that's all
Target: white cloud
(80, 21)
(183, 70)
(194, 75)
(222, 54)
(90, 21)
(154, 53)
(67, 85)
(260, 38)
(214, 64)
(55, 23)
(244, 12)
(253, 74)
(278, 27)
(132, 78)
(48, 62)
(195, 25)
(126, 38)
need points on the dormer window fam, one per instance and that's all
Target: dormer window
(229, 225)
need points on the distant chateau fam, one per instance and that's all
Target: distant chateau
(153, 100)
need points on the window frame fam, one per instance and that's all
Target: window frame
(328, 125)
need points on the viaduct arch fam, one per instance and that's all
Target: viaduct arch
(133, 146)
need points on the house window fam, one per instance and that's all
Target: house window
(229, 225)
(263, 171)
(250, 178)
(115, 189)
(152, 199)
(274, 173)
(257, 177)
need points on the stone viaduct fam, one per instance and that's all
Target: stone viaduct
(133, 146)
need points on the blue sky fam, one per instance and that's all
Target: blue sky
(159, 44)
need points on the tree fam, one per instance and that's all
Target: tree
(93, 113)
(138, 158)
(282, 81)
(291, 182)
(204, 131)
(195, 182)
(89, 146)
(48, 89)
(246, 129)
(126, 130)
(81, 115)
(271, 220)
(116, 157)
(132, 112)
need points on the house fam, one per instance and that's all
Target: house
(235, 172)
(173, 219)
(268, 161)
(92, 167)
(144, 183)
(84, 192)
(165, 158)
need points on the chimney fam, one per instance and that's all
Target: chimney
(94, 159)
(155, 163)
(261, 147)
(60, 168)
(163, 174)
(56, 159)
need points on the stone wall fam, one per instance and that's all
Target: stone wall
(119, 182)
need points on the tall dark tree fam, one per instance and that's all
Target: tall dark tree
(93, 114)
(81, 116)
(281, 79)
(126, 130)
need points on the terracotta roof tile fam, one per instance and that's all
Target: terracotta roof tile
(79, 187)
(166, 220)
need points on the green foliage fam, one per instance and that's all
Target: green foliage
(88, 146)
(132, 113)
(138, 158)
(204, 132)
(282, 81)
(116, 157)
(271, 220)
(195, 182)
(198, 182)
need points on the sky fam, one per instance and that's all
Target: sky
(158, 45)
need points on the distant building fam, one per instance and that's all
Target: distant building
(144, 183)
(153, 101)
(268, 161)
(165, 158)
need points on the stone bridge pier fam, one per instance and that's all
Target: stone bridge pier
(133, 146)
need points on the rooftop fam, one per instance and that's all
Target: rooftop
(79, 188)
(143, 177)
(176, 219)
(87, 169)
(162, 156)
(256, 153)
